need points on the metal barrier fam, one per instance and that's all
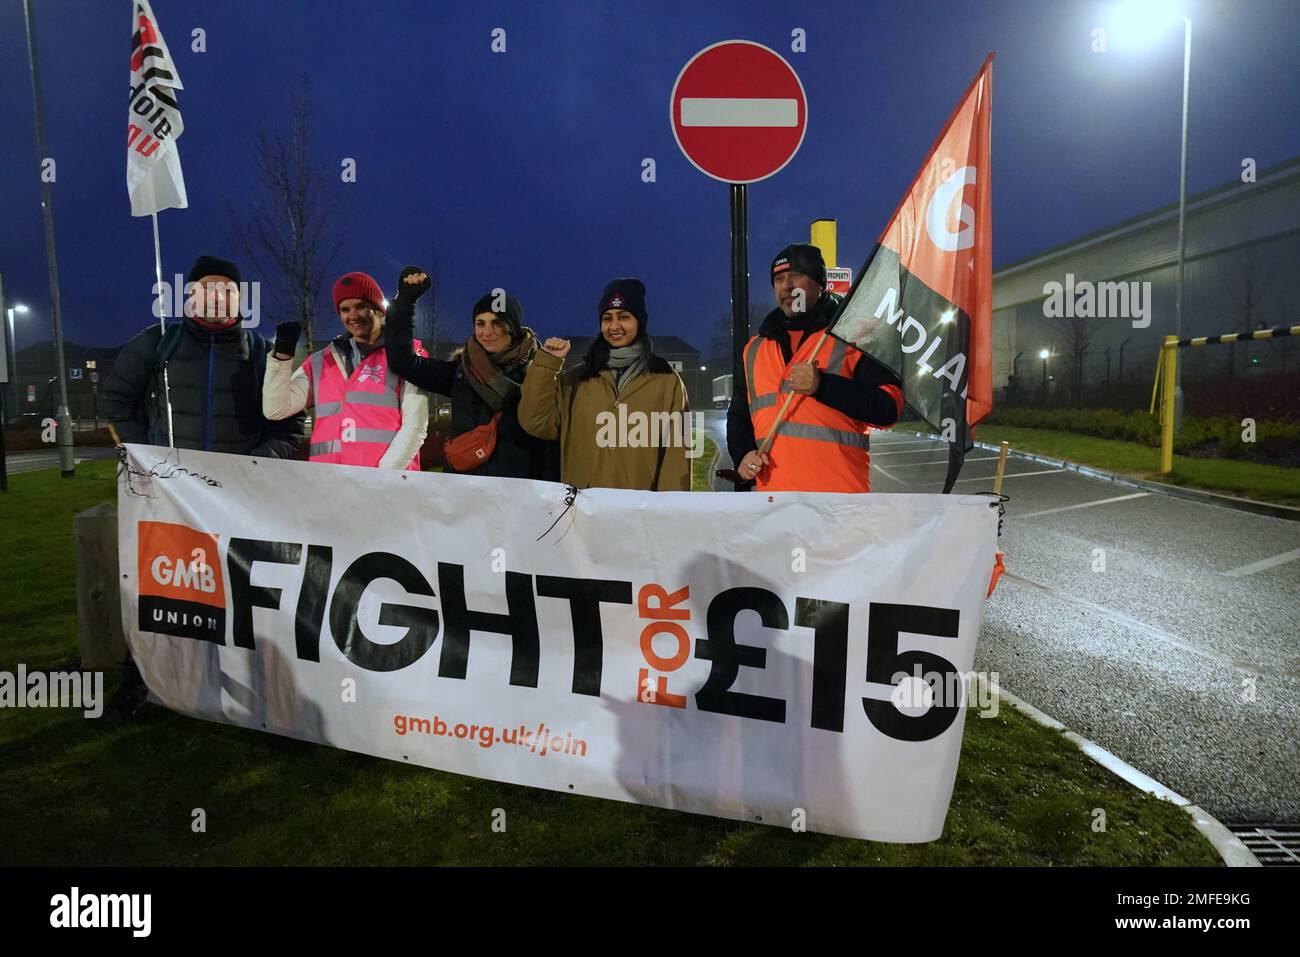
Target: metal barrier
(1167, 376)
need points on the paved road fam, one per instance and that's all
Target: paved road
(1155, 657)
(19, 462)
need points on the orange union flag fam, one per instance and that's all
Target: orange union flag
(923, 302)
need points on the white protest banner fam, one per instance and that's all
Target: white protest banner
(726, 654)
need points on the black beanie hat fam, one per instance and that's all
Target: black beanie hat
(213, 266)
(801, 257)
(626, 294)
(513, 313)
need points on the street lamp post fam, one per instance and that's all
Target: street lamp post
(1149, 15)
(1044, 355)
(1182, 218)
(67, 463)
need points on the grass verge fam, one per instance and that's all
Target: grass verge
(702, 467)
(1266, 483)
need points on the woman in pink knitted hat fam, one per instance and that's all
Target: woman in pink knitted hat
(364, 413)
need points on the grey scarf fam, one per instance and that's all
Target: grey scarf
(626, 363)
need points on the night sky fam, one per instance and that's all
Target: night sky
(524, 168)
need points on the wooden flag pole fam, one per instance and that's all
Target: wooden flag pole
(785, 408)
(1002, 467)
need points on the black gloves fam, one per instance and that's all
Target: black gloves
(286, 337)
(410, 292)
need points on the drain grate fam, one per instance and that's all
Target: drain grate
(1276, 845)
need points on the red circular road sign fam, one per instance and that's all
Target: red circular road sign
(738, 111)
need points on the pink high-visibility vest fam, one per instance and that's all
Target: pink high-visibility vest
(356, 418)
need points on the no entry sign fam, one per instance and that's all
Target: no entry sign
(738, 111)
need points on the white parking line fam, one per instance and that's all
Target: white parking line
(884, 438)
(1263, 564)
(928, 451)
(1067, 508)
(944, 461)
(893, 478)
(989, 478)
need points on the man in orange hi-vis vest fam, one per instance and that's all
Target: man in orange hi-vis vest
(822, 444)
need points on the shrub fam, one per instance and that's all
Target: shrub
(1218, 436)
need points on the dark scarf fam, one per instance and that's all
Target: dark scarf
(777, 325)
(488, 373)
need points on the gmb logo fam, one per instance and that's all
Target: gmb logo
(197, 574)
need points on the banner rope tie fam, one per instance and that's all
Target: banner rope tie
(1000, 503)
(124, 467)
(570, 496)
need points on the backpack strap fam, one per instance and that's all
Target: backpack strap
(167, 343)
(259, 348)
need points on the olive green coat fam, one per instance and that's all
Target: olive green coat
(601, 445)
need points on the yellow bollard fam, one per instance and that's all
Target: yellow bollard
(1169, 352)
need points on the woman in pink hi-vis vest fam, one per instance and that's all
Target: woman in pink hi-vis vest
(365, 414)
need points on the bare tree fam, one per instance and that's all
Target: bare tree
(429, 318)
(289, 236)
(1244, 310)
(719, 347)
(1074, 333)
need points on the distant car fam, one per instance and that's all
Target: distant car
(25, 420)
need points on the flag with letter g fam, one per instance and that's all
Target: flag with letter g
(153, 166)
(923, 302)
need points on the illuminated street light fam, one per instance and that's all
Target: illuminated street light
(13, 332)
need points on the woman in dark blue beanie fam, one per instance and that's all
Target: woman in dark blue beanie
(482, 379)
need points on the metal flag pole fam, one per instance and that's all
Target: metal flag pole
(67, 464)
(162, 324)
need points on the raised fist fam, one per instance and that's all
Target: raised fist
(412, 283)
(557, 347)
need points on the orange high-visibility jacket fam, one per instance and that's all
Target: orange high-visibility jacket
(817, 448)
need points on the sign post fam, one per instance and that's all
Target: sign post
(739, 114)
(4, 387)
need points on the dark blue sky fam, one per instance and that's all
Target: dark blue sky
(526, 165)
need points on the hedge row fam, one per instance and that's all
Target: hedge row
(1219, 435)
